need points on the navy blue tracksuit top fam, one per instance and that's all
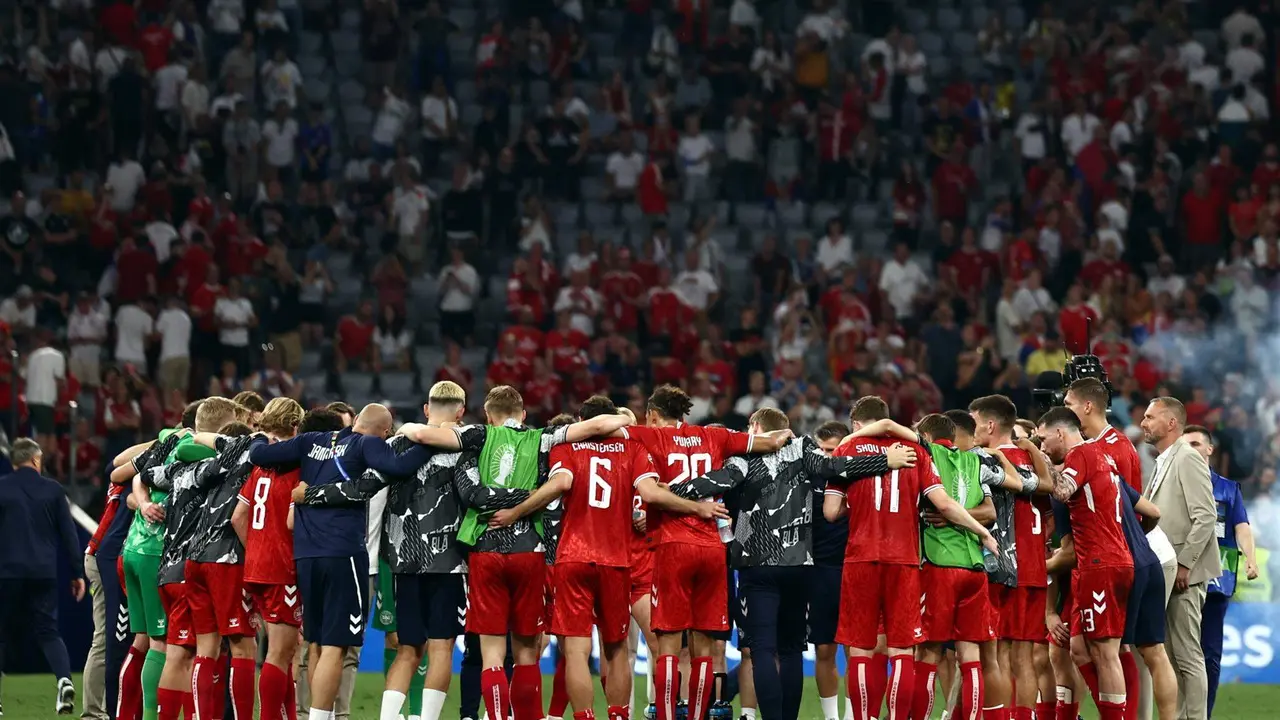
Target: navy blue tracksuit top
(35, 518)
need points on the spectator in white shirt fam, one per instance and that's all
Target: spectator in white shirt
(134, 327)
(912, 64)
(195, 96)
(1245, 61)
(696, 288)
(1241, 23)
(582, 302)
(886, 47)
(409, 206)
(281, 80)
(741, 151)
(835, 250)
(46, 374)
(125, 177)
(902, 280)
(388, 125)
(234, 316)
(695, 151)
(168, 82)
(161, 233)
(1166, 280)
(623, 169)
(459, 284)
(757, 396)
(1249, 303)
(225, 18)
(743, 14)
(1032, 298)
(1078, 128)
(770, 62)
(19, 311)
(280, 133)
(439, 122)
(584, 257)
(174, 328)
(107, 63)
(1030, 133)
(87, 329)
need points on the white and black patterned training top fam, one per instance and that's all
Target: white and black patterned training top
(182, 513)
(521, 536)
(424, 509)
(215, 541)
(769, 498)
(991, 476)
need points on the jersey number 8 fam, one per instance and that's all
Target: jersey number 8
(260, 492)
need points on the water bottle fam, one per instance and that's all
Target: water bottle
(725, 528)
(651, 712)
(990, 561)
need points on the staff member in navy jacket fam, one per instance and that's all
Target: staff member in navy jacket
(35, 518)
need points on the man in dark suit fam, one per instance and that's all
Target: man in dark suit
(35, 518)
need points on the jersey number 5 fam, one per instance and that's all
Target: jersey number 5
(600, 493)
(260, 492)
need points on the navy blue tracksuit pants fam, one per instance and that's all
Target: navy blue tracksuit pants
(774, 605)
(1212, 618)
(31, 604)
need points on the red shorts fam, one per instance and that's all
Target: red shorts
(1022, 615)
(549, 597)
(590, 595)
(1101, 597)
(506, 593)
(870, 591)
(641, 575)
(219, 604)
(177, 615)
(955, 605)
(277, 603)
(692, 591)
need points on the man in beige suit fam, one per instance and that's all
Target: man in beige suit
(1181, 488)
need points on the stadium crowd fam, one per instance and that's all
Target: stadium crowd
(784, 205)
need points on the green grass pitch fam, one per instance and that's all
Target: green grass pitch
(30, 697)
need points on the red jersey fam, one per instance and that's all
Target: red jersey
(680, 453)
(884, 511)
(1095, 508)
(597, 509)
(641, 542)
(1028, 528)
(620, 288)
(268, 546)
(568, 349)
(1117, 446)
(114, 492)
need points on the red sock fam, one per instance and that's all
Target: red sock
(858, 682)
(169, 704)
(1110, 711)
(220, 678)
(922, 704)
(526, 692)
(877, 678)
(1090, 674)
(666, 686)
(1131, 684)
(242, 687)
(202, 672)
(188, 705)
(559, 695)
(497, 692)
(1044, 711)
(1068, 710)
(291, 698)
(619, 712)
(900, 687)
(1022, 713)
(701, 684)
(973, 690)
(587, 714)
(271, 692)
(129, 697)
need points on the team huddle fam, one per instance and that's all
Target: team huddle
(926, 552)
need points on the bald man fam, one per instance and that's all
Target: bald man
(329, 542)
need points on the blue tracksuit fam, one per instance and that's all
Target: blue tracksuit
(1231, 512)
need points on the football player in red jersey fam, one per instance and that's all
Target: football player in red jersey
(263, 522)
(882, 559)
(1090, 485)
(691, 593)
(592, 578)
(1023, 648)
(1089, 399)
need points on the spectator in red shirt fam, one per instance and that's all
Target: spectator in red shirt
(244, 250)
(1074, 319)
(542, 393)
(717, 371)
(508, 368)
(154, 43)
(651, 190)
(1223, 173)
(120, 21)
(834, 132)
(1267, 172)
(88, 458)
(135, 272)
(953, 182)
(1107, 264)
(1242, 215)
(566, 346)
(624, 292)
(354, 347)
(970, 266)
(453, 369)
(527, 337)
(1202, 223)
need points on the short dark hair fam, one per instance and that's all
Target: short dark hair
(595, 406)
(770, 419)
(251, 400)
(963, 420)
(868, 409)
(560, 420)
(1060, 417)
(670, 402)
(998, 408)
(504, 401)
(831, 429)
(1091, 390)
(1208, 436)
(937, 426)
(235, 429)
(189, 414)
(340, 408)
(321, 420)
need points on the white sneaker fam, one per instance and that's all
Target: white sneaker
(66, 702)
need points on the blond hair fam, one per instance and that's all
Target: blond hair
(504, 401)
(281, 417)
(447, 392)
(215, 412)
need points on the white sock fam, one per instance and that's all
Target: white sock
(432, 703)
(392, 703)
(318, 714)
(830, 707)
(848, 708)
(749, 713)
